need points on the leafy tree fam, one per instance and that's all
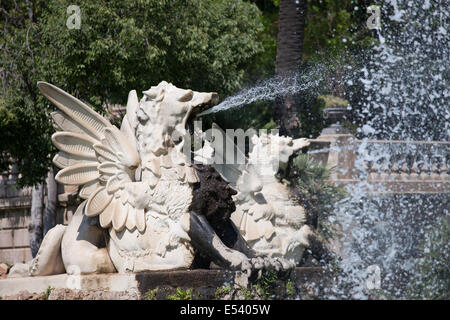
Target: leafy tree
(120, 45)
(432, 273)
(335, 42)
(335, 27)
(263, 65)
(24, 123)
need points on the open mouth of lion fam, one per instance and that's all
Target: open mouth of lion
(200, 102)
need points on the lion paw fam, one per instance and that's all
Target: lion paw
(258, 266)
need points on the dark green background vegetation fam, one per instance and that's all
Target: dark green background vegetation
(206, 45)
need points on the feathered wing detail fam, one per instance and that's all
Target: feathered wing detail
(129, 122)
(75, 144)
(98, 157)
(88, 189)
(97, 202)
(91, 122)
(79, 173)
(229, 171)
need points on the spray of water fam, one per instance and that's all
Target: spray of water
(269, 90)
(405, 96)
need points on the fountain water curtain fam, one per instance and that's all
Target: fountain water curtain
(404, 97)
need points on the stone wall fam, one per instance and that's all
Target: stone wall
(15, 207)
(15, 210)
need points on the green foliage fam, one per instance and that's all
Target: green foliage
(263, 65)
(290, 288)
(258, 115)
(311, 174)
(24, 122)
(206, 45)
(268, 286)
(265, 286)
(122, 45)
(311, 116)
(335, 26)
(151, 294)
(335, 37)
(332, 101)
(315, 192)
(432, 274)
(181, 294)
(247, 294)
(313, 122)
(222, 291)
(270, 125)
(47, 292)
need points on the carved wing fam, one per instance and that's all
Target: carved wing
(98, 157)
(242, 176)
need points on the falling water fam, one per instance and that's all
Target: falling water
(405, 96)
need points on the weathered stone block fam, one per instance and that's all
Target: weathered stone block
(152, 284)
(6, 238)
(15, 255)
(14, 238)
(14, 219)
(2, 191)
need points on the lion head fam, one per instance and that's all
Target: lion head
(162, 115)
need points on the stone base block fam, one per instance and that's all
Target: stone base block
(191, 284)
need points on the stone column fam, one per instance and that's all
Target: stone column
(336, 147)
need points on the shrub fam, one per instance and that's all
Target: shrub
(315, 192)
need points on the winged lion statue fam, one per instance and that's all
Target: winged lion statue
(146, 206)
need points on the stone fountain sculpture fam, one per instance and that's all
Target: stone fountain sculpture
(269, 219)
(146, 207)
(267, 213)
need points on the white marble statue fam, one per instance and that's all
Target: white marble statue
(269, 219)
(138, 190)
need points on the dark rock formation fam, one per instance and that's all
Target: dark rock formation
(212, 198)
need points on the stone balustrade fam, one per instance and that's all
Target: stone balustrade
(381, 166)
(418, 160)
(388, 166)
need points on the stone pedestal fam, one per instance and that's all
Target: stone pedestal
(157, 285)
